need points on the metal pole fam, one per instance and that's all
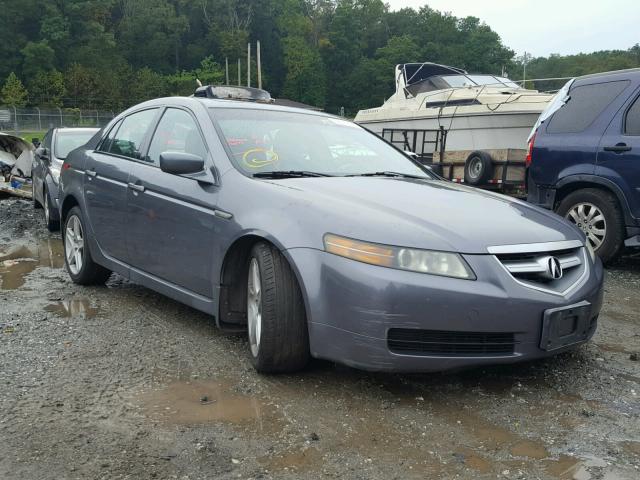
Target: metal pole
(39, 120)
(239, 83)
(259, 64)
(61, 119)
(248, 64)
(226, 69)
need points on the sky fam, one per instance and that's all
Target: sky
(543, 27)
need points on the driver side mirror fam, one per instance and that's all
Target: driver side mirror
(43, 153)
(180, 163)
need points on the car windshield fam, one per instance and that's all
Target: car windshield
(262, 141)
(67, 141)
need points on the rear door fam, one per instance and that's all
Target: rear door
(171, 219)
(106, 174)
(619, 152)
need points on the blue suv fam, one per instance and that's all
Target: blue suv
(584, 159)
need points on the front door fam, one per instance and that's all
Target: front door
(619, 153)
(170, 218)
(106, 176)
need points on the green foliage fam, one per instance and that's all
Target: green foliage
(47, 89)
(13, 92)
(330, 53)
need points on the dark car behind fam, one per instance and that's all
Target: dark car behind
(584, 159)
(47, 162)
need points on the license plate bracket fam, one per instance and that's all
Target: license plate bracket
(565, 326)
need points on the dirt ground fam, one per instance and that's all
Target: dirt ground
(119, 382)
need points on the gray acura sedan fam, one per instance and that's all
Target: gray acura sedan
(321, 240)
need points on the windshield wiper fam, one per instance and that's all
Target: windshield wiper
(289, 174)
(388, 174)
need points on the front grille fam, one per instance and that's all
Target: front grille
(413, 341)
(531, 268)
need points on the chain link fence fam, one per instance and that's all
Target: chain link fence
(21, 120)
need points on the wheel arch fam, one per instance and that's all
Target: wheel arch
(68, 203)
(232, 306)
(574, 183)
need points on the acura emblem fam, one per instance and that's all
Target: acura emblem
(554, 268)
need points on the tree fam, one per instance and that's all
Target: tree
(38, 57)
(47, 89)
(305, 81)
(13, 92)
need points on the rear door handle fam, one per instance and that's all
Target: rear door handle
(136, 187)
(618, 148)
(90, 173)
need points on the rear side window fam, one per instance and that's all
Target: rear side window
(128, 140)
(106, 143)
(176, 132)
(632, 120)
(586, 102)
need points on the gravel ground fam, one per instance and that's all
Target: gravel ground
(120, 382)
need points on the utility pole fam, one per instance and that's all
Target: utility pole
(226, 69)
(525, 59)
(248, 64)
(259, 64)
(239, 80)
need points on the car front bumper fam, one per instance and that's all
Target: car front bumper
(352, 306)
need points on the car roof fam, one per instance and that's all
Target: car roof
(614, 74)
(77, 129)
(223, 103)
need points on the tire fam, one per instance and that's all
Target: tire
(478, 168)
(36, 203)
(596, 203)
(53, 224)
(276, 319)
(77, 256)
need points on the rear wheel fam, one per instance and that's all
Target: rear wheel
(597, 214)
(78, 261)
(276, 320)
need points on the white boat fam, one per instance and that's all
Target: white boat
(479, 112)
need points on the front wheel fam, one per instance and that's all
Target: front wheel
(276, 319)
(597, 214)
(78, 261)
(53, 224)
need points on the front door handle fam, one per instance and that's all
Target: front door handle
(90, 173)
(136, 187)
(618, 148)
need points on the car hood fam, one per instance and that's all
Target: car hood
(430, 214)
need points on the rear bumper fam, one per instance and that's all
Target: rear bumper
(351, 307)
(540, 195)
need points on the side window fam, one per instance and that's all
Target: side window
(128, 140)
(106, 143)
(632, 120)
(585, 104)
(46, 141)
(177, 132)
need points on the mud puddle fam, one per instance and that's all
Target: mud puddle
(203, 402)
(20, 261)
(74, 307)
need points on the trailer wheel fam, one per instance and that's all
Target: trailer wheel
(478, 168)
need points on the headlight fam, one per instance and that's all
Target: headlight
(592, 252)
(421, 261)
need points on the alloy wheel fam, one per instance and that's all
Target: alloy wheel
(591, 221)
(74, 244)
(254, 306)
